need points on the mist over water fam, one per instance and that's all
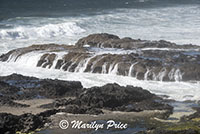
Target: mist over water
(27, 22)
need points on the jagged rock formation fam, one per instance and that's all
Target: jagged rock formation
(108, 54)
(88, 100)
(18, 87)
(82, 100)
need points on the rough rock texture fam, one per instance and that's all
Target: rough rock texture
(17, 87)
(112, 41)
(9, 123)
(82, 100)
(149, 60)
(115, 97)
(112, 97)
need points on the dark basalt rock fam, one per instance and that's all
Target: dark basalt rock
(149, 60)
(27, 122)
(112, 97)
(58, 88)
(115, 97)
(22, 87)
(96, 39)
(112, 41)
(9, 124)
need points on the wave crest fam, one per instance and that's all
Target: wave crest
(45, 31)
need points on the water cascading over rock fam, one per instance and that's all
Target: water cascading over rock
(108, 54)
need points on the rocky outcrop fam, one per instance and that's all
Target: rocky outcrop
(22, 87)
(91, 101)
(119, 98)
(112, 97)
(108, 54)
(105, 40)
(9, 123)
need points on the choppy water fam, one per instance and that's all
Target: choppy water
(27, 22)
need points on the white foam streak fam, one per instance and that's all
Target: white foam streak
(176, 90)
(83, 64)
(114, 70)
(161, 74)
(146, 74)
(131, 69)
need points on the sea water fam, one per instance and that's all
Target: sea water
(27, 22)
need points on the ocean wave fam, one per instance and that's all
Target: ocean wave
(45, 31)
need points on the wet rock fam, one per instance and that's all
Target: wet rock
(112, 41)
(95, 39)
(115, 97)
(46, 60)
(30, 122)
(145, 60)
(112, 95)
(11, 123)
(18, 87)
(58, 88)
(74, 109)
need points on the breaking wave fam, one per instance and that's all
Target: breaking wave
(45, 31)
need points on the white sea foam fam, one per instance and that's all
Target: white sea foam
(176, 90)
(45, 31)
(179, 24)
(26, 65)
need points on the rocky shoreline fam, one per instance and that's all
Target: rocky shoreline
(29, 104)
(111, 101)
(108, 54)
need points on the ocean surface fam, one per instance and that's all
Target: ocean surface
(27, 22)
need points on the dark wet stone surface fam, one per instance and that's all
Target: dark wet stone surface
(9, 123)
(112, 97)
(152, 60)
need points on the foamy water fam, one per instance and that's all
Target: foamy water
(179, 23)
(26, 65)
